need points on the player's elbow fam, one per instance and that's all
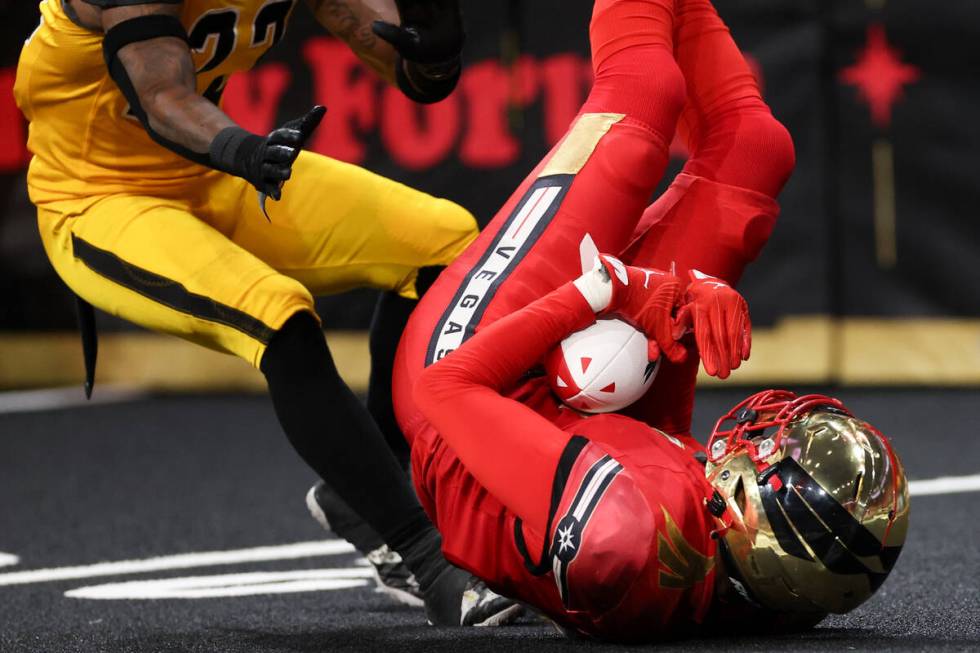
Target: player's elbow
(159, 103)
(444, 385)
(433, 388)
(424, 391)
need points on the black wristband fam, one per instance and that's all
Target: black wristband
(231, 149)
(422, 87)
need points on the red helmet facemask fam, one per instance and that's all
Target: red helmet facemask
(757, 424)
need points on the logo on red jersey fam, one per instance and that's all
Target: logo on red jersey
(568, 533)
(683, 566)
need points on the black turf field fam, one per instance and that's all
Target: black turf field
(172, 475)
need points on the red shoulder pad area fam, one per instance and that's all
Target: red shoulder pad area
(603, 534)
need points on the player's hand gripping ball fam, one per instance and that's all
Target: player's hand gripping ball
(647, 299)
(612, 363)
(602, 368)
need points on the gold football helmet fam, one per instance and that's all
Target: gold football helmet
(813, 503)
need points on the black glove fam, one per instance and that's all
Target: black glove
(429, 42)
(266, 163)
(431, 31)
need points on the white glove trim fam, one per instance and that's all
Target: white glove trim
(596, 287)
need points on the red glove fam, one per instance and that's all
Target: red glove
(719, 317)
(646, 299)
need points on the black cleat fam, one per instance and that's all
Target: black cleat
(458, 598)
(390, 572)
(393, 577)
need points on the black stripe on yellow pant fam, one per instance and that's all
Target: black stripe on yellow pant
(167, 291)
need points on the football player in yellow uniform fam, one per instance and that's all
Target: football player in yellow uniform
(147, 207)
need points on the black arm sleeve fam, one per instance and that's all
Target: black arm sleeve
(135, 30)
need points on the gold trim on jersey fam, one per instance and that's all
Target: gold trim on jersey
(579, 143)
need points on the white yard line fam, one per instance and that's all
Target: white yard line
(225, 585)
(926, 487)
(945, 485)
(180, 561)
(26, 401)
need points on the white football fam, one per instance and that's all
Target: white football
(602, 368)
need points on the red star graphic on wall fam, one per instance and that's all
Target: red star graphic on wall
(880, 75)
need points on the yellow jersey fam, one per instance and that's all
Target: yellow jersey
(83, 137)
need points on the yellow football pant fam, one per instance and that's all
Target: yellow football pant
(206, 264)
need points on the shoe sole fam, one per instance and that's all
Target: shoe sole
(316, 511)
(397, 595)
(401, 596)
(502, 618)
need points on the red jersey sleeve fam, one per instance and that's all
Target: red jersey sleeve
(628, 546)
(510, 449)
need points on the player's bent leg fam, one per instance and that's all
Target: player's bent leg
(340, 226)
(610, 160)
(335, 435)
(741, 156)
(153, 263)
(698, 224)
(743, 146)
(718, 214)
(730, 131)
(592, 186)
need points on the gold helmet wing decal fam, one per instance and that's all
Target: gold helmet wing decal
(682, 566)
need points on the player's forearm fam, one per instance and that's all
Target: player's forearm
(498, 355)
(511, 450)
(350, 21)
(162, 74)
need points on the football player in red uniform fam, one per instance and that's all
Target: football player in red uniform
(611, 524)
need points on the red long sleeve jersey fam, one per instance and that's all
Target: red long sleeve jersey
(598, 521)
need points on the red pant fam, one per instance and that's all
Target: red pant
(660, 64)
(595, 183)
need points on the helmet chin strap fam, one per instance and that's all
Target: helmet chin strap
(718, 508)
(720, 532)
(734, 577)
